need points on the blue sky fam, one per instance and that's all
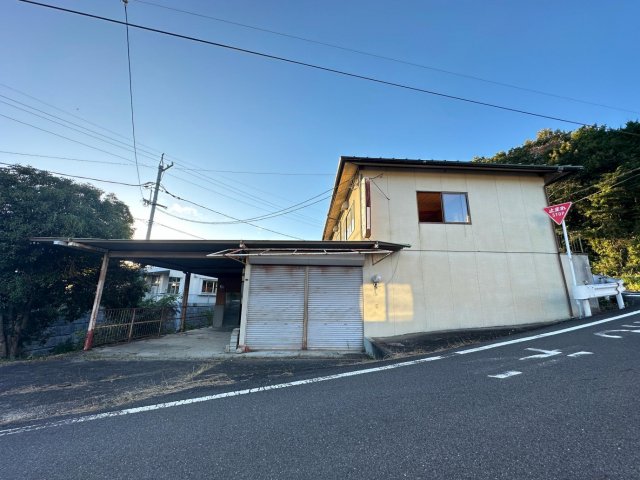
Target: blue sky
(215, 111)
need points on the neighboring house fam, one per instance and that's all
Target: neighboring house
(162, 282)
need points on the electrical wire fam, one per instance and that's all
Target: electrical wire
(170, 228)
(311, 65)
(259, 173)
(133, 123)
(622, 174)
(66, 138)
(84, 178)
(255, 219)
(6, 152)
(607, 187)
(228, 216)
(384, 57)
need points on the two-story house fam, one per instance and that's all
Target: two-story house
(482, 252)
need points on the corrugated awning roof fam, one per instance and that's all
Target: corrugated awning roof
(193, 255)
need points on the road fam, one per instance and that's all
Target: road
(559, 403)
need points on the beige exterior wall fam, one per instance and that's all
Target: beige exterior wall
(502, 269)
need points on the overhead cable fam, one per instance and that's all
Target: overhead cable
(384, 57)
(311, 65)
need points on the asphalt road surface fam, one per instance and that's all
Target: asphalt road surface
(561, 406)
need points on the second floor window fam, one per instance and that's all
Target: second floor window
(174, 285)
(350, 223)
(443, 207)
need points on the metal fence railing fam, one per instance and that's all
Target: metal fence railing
(578, 245)
(116, 325)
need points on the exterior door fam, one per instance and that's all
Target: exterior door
(334, 319)
(275, 313)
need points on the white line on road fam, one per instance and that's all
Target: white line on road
(510, 373)
(543, 354)
(189, 401)
(544, 335)
(579, 354)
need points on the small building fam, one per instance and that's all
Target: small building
(164, 281)
(409, 246)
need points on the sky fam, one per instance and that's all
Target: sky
(251, 136)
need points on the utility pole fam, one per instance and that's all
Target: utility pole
(161, 169)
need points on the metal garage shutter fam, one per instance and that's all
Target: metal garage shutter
(335, 308)
(276, 307)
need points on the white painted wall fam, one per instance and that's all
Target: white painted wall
(196, 297)
(502, 269)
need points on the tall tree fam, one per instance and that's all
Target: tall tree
(606, 194)
(41, 283)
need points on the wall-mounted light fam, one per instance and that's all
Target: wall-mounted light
(376, 279)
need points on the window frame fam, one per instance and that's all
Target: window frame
(174, 282)
(213, 287)
(350, 222)
(442, 193)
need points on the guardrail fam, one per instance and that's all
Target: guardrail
(582, 294)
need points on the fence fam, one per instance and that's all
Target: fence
(117, 325)
(578, 245)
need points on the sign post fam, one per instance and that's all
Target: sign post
(557, 214)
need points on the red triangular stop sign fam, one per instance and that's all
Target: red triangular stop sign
(558, 212)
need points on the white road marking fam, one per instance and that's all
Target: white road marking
(607, 333)
(510, 373)
(544, 335)
(189, 401)
(578, 354)
(543, 354)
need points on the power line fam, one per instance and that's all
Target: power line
(62, 158)
(255, 219)
(229, 216)
(83, 178)
(126, 147)
(133, 123)
(621, 174)
(259, 173)
(244, 194)
(384, 57)
(66, 138)
(310, 65)
(608, 186)
(171, 228)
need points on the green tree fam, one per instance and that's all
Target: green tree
(39, 282)
(606, 194)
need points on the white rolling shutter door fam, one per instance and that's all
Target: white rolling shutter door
(276, 307)
(335, 308)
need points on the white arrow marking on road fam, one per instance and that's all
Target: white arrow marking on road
(578, 354)
(511, 373)
(606, 333)
(543, 354)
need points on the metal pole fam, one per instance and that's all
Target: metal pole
(571, 267)
(154, 202)
(88, 341)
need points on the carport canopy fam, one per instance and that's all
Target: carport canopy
(215, 258)
(212, 258)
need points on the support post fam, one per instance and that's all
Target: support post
(572, 268)
(88, 341)
(185, 300)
